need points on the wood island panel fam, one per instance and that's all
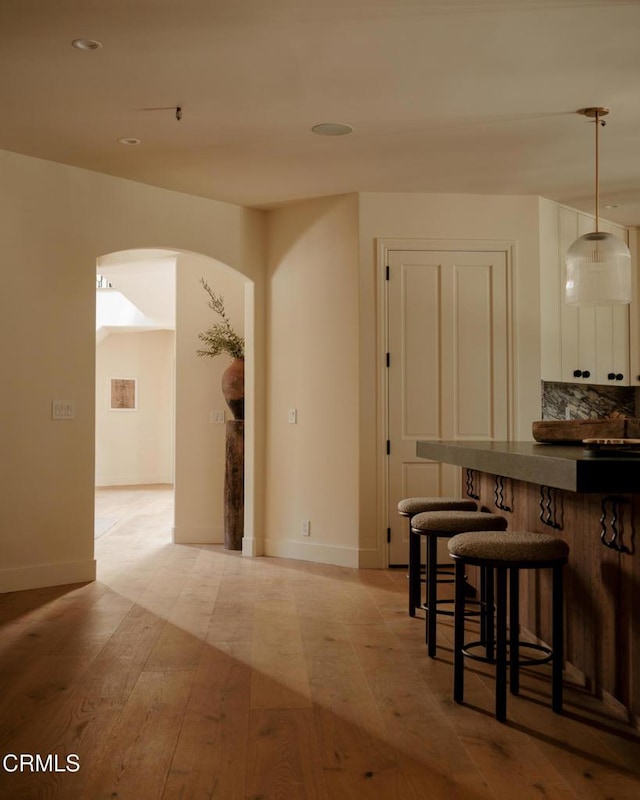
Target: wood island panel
(602, 586)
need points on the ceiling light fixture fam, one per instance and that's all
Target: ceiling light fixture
(598, 264)
(86, 44)
(332, 129)
(130, 140)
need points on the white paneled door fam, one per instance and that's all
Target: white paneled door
(448, 367)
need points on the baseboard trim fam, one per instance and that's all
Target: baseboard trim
(370, 559)
(312, 551)
(250, 547)
(192, 535)
(43, 575)
(129, 480)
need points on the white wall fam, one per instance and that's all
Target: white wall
(324, 318)
(135, 447)
(55, 221)
(200, 444)
(312, 466)
(443, 217)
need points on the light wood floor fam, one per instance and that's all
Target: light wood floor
(192, 672)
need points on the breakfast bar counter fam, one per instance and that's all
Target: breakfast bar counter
(570, 467)
(591, 499)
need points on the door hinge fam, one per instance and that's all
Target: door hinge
(388, 535)
(388, 359)
(388, 270)
(388, 446)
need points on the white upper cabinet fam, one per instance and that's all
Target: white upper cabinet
(579, 344)
(634, 310)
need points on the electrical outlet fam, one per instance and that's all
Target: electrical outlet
(63, 409)
(216, 417)
(306, 527)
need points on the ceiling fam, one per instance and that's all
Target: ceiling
(473, 96)
(147, 279)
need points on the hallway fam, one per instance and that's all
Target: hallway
(130, 508)
(194, 672)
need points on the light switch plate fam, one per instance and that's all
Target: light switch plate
(63, 409)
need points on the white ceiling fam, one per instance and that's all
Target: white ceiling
(147, 279)
(444, 95)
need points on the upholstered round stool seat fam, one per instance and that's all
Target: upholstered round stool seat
(410, 506)
(502, 545)
(448, 523)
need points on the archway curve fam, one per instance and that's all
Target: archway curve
(197, 471)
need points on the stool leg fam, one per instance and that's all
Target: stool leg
(432, 593)
(557, 639)
(514, 630)
(458, 633)
(489, 613)
(501, 644)
(483, 604)
(414, 571)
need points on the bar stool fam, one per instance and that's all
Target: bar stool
(434, 525)
(409, 507)
(507, 553)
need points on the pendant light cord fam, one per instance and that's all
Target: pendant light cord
(597, 171)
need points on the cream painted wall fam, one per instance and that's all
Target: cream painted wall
(312, 466)
(325, 317)
(135, 447)
(200, 444)
(442, 217)
(55, 221)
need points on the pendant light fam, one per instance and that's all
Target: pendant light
(598, 264)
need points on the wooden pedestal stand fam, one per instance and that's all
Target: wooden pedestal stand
(234, 485)
(233, 390)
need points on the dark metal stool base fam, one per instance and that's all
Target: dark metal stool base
(507, 658)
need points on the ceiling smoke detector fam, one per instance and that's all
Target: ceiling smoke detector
(86, 44)
(332, 129)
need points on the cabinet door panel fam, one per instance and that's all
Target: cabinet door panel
(551, 294)
(612, 332)
(612, 340)
(587, 348)
(572, 359)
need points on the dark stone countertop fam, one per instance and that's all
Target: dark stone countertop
(569, 467)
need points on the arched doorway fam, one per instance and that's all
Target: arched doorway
(180, 400)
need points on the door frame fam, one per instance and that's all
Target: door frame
(383, 246)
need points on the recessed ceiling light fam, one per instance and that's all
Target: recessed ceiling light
(129, 140)
(332, 129)
(86, 44)
(613, 205)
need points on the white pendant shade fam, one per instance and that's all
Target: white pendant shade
(598, 264)
(598, 271)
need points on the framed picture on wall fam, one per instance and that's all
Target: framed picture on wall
(123, 395)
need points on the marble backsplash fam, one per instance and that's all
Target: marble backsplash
(579, 401)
